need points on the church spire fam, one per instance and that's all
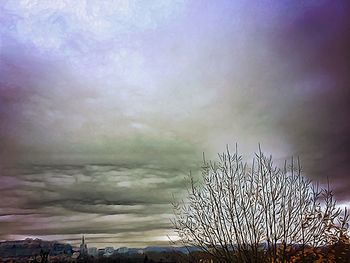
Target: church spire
(83, 247)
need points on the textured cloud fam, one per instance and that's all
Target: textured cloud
(105, 107)
(70, 200)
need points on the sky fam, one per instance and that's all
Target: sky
(105, 106)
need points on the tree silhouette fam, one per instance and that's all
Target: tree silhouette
(247, 213)
(44, 256)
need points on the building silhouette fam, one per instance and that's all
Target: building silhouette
(83, 247)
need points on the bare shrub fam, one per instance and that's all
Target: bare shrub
(247, 213)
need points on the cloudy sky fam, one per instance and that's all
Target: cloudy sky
(105, 106)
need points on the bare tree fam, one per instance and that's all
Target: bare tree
(244, 213)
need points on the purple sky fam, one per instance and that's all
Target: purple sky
(106, 105)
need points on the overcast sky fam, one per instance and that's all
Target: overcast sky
(105, 106)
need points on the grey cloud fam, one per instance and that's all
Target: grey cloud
(74, 199)
(110, 127)
(316, 124)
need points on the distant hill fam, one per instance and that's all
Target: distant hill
(183, 250)
(31, 247)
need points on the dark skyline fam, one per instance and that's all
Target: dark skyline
(106, 107)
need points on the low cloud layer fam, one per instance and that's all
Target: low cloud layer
(68, 201)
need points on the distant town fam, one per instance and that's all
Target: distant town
(37, 250)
